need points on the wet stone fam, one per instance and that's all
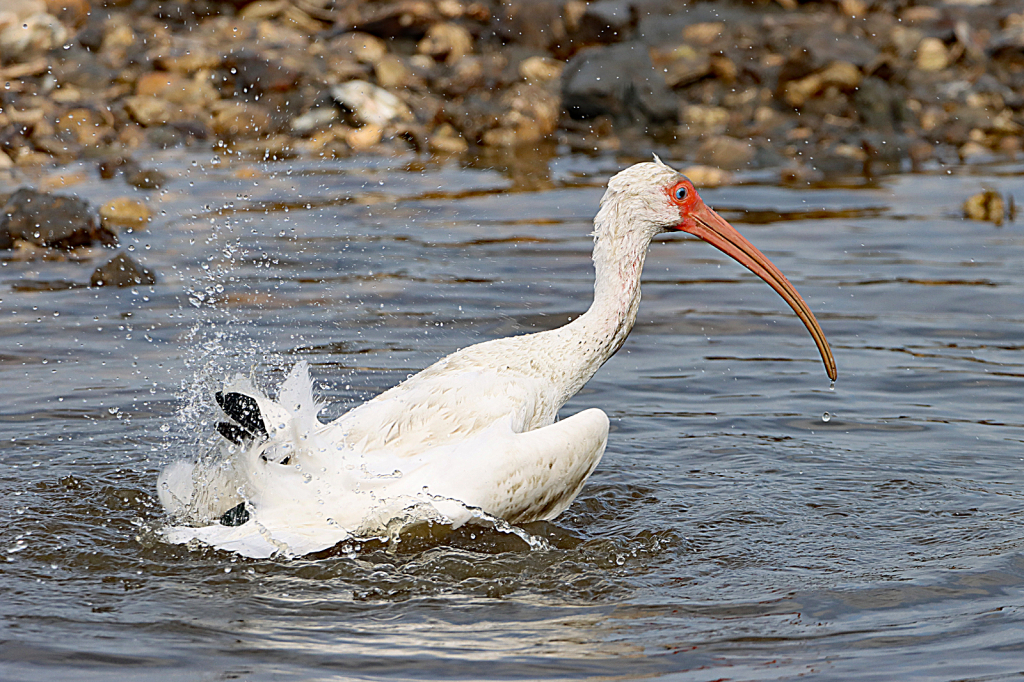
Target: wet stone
(125, 212)
(370, 104)
(725, 152)
(619, 81)
(147, 178)
(51, 220)
(109, 168)
(121, 271)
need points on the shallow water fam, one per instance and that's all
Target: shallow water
(729, 533)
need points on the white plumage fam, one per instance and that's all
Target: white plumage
(471, 437)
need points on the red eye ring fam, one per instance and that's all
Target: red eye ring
(679, 193)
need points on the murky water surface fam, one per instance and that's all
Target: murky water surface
(729, 533)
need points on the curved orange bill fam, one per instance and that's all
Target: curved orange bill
(714, 229)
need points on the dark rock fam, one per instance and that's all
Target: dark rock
(619, 81)
(121, 271)
(684, 66)
(109, 168)
(147, 178)
(825, 46)
(885, 153)
(164, 137)
(82, 68)
(91, 35)
(533, 23)
(881, 107)
(402, 19)
(607, 21)
(193, 129)
(839, 160)
(51, 220)
(255, 73)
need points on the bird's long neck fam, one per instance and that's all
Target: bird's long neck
(588, 341)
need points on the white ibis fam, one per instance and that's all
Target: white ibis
(470, 438)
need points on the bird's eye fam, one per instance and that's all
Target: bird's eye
(680, 193)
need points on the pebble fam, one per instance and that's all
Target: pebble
(146, 178)
(125, 212)
(931, 55)
(122, 271)
(30, 37)
(370, 104)
(725, 152)
(148, 110)
(987, 206)
(446, 41)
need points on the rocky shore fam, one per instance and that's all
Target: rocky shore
(810, 90)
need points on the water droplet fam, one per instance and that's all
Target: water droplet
(825, 416)
(832, 386)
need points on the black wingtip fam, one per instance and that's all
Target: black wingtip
(243, 409)
(235, 516)
(233, 432)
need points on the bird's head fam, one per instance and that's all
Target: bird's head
(653, 198)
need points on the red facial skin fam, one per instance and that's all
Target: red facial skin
(697, 219)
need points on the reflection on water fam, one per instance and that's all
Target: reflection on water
(731, 530)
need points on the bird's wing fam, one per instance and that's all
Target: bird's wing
(431, 410)
(497, 473)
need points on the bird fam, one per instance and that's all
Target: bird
(473, 438)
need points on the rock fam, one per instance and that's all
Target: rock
(313, 119)
(164, 137)
(975, 152)
(121, 271)
(255, 73)
(881, 107)
(82, 69)
(70, 12)
(932, 55)
(606, 21)
(446, 42)
(841, 160)
(125, 212)
(52, 220)
(842, 75)
(146, 178)
(371, 104)
(23, 9)
(446, 140)
(530, 114)
(535, 23)
(391, 72)
(708, 176)
(401, 19)
(31, 37)
(539, 70)
(704, 32)
(367, 137)
(147, 110)
(186, 59)
(619, 81)
(109, 168)
(234, 119)
(986, 206)
(702, 120)
(684, 66)
(363, 47)
(81, 125)
(725, 152)
(175, 88)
